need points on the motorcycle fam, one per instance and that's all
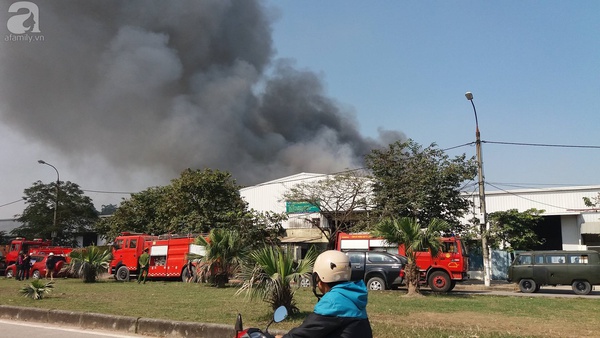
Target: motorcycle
(252, 332)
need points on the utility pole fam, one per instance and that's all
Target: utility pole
(483, 226)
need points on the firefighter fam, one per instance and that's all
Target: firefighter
(144, 261)
(341, 307)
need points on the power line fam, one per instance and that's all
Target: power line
(109, 192)
(13, 202)
(542, 145)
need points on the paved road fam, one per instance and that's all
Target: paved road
(16, 329)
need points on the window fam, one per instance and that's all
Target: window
(555, 259)
(578, 259)
(133, 243)
(379, 258)
(449, 247)
(355, 257)
(539, 259)
(524, 260)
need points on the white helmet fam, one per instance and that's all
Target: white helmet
(333, 266)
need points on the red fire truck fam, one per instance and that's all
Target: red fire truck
(440, 273)
(167, 255)
(32, 247)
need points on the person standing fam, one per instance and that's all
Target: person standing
(50, 261)
(19, 265)
(144, 262)
(26, 266)
(189, 271)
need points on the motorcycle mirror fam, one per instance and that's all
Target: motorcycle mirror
(238, 323)
(280, 314)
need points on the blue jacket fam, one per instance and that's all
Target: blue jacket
(341, 312)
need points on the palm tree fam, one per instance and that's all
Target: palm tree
(271, 274)
(408, 231)
(88, 263)
(224, 252)
(37, 289)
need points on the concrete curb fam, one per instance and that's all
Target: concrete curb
(130, 325)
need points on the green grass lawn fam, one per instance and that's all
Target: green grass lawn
(392, 315)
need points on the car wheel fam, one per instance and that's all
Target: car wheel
(527, 285)
(10, 273)
(439, 281)
(36, 274)
(582, 287)
(305, 282)
(122, 274)
(376, 284)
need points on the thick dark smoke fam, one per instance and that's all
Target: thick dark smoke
(172, 85)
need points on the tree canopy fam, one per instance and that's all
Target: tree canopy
(517, 229)
(75, 212)
(424, 184)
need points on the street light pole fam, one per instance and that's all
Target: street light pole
(53, 233)
(484, 226)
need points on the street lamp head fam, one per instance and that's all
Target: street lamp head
(469, 96)
(41, 162)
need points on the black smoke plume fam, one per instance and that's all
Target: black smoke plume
(169, 85)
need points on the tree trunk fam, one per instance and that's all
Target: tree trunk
(412, 279)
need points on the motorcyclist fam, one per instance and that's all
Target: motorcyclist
(341, 308)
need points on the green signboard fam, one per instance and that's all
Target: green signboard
(300, 208)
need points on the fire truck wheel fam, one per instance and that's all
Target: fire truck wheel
(36, 274)
(527, 285)
(439, 281)
(122, 274)
(9, 273)
(376, 284)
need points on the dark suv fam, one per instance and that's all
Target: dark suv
(380, 270)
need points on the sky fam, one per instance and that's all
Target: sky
(123, 96)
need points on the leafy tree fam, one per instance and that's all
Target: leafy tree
(593, 202)
(197, 201)
(204, 199)
(343, 199)
(4, 238)
(420, 183)
(224, 253)
(258, 229)
(408, 231)
(108, 209)
(75, 213)
(515, 228)
(88, 263)
(140, 213)
(271, 274)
